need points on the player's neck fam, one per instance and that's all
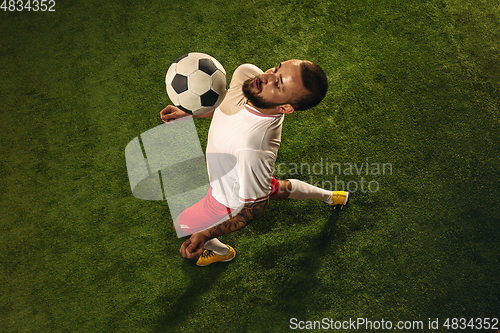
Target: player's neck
(272, 111)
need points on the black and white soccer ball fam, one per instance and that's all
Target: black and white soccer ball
(196, 83)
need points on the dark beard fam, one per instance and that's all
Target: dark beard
(254, 98)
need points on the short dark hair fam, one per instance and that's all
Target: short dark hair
(316, 83)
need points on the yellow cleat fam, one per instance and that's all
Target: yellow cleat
(340, 199)
(209, 257)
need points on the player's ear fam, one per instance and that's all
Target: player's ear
(286, 109)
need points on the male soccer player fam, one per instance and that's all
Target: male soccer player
(243, 143)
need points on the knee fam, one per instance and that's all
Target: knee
(285, 186)
(284, 190)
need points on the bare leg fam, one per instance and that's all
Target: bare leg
(284, 190)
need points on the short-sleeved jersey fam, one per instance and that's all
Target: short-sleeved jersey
(242, 146)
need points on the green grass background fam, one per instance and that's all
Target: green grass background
(412, 83)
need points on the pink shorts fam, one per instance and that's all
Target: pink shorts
(209, 211)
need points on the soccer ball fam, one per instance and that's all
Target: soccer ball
(196, 83)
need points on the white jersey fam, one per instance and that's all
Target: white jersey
(242, 146)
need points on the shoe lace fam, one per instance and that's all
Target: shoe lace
(207, 254)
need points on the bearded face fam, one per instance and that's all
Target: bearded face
(252, 89)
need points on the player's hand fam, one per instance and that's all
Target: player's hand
(193, 247)
(171, 112)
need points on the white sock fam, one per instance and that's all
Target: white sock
(302, 190)
(217, 246)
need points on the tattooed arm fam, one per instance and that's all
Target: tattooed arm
(249, 213)
(193, 247)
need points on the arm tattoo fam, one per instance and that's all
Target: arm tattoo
(249, 213)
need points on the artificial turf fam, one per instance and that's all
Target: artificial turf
(413, 84)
